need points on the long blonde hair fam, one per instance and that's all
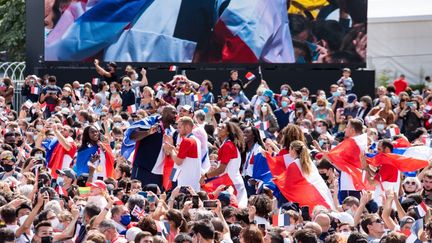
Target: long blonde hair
(302, 152)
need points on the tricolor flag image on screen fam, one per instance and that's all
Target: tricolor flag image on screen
(250, 76)
(173, 68)
(34, 90)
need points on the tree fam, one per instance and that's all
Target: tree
(12, 29)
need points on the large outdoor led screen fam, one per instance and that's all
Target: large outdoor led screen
(207, 31)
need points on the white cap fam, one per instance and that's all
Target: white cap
(343, 217)
(132, 233)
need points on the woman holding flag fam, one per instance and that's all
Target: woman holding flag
(228, 172)
(95, 154)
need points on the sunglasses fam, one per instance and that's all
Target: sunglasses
(410, 183)
(378, 221)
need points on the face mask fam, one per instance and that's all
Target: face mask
(77, 107)
(8, 168)
(39, 127)
(38, 156)
(336, 94)
(206, 110)
(264, 109)
(299, 110)
(350, 105)
(346, 233)
(381, 105)
(284, 104)
(324, 176)
(55, 223)
(304, 129)
(22, 219)
(124, 87)
(60, 181)
(46, 239)
(166, 92)
(51, 86)
(125, 219)
(19, 143)
(321, 107)
(223, 115)
(284, 92)
(304, 98)
(380, 127)
(117, 124)
(321, 143)
(318, 129)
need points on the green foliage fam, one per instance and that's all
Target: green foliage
(384, 77)
(419, 87)
(12, 29)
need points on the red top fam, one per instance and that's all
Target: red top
(400, 85)
(227, 152)
(188, 148)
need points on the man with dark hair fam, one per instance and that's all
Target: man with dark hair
(43, 232)
(262, 205)
(326, 171)
(90, 211)
(183, 238)
(50, 95)
(373, 226)
(203, 231)
(305, 236)
(7, 235)
(8, 215)
(121, 217)
(427, 188)
(357, 237)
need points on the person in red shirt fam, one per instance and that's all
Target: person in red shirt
(400, 84)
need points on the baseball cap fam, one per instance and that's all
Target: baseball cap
(347, 70)
(99, 184)
(343, 217)
(187, 107)
(65, 111)
(351, 98)
(7, 155)
(406, 220)
(67, 172)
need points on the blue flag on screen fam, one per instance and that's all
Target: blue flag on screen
(83, 157)
(98, 28)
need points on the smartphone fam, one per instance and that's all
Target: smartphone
(144, 194)
(261, 226)
(128, 187)
(116, 191)
(151, 198)
(53, 183)
(184, 189)
(305, 213)
(410, 104)
(209, 204)
(41, 183)
(100, 178)
(195, 201)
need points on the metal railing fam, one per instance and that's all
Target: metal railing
(14, 71)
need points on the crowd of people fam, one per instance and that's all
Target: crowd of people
(118, 160)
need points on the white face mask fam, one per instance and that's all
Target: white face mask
(264, 109)
(22, 219)
(382, 105)
(345, 233)
(351, 105)
(223, 115)
(39, 127)
(318, 129)
(55, 223)
(380, 127)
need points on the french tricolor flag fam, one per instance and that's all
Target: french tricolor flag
(250, 76)
(173, 68)
(412, 237)
(393, 131)
(174, 174)
(253, 31)
(34, 90)
(296, 186)
(196, 97)
(421, 210)
(132, 109)
(95, 81)
(346, 157)
(280, 220)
